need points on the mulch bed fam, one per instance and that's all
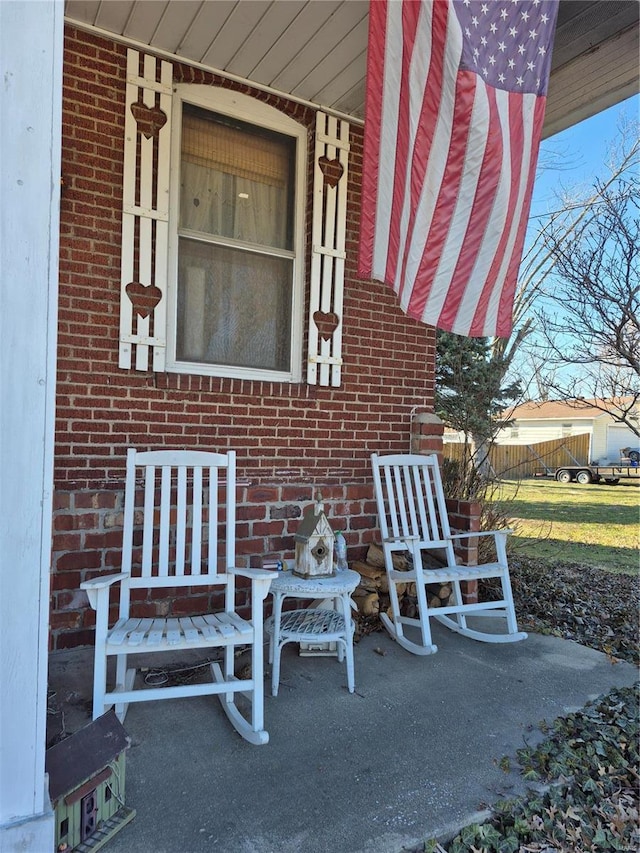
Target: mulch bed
(591, 606)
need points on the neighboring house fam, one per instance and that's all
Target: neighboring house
(532, 423)
(215, 306)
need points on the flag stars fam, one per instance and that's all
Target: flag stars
(504, 41)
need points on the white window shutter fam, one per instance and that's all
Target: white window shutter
(328, 250)
(145, 212)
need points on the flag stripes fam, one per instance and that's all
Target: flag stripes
(449, 160)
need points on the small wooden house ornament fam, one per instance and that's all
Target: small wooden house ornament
(86, 785)
(314, 544)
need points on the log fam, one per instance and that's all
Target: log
(373, 577)
(442, 590)
(374, 573)
(409, 608)
(368, 603)
(368, 584)
(375, 557)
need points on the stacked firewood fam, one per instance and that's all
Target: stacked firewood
(372, 593)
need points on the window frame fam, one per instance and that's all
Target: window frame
(245, 108)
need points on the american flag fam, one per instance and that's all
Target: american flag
(456, 92)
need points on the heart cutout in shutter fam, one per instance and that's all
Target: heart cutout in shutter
(327, 323)
(332, 170)
(149, 119)
(144, 298)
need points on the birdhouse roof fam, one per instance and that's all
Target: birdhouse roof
(313, 524)
(81, 755)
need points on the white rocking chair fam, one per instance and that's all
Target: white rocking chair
(413, 517)
(179, 534)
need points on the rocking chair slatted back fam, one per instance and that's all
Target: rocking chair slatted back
(186, 510)
(413, 498)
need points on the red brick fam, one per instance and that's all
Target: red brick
(191, 605)
(293, 440)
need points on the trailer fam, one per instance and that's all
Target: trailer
(586, 474)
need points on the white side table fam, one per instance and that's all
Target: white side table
(312, 624)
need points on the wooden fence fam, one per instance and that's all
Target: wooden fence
(514, 461)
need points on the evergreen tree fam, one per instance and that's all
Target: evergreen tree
(470, 396)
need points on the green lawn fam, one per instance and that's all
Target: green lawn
(596, 525)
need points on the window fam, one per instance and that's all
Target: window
(236, 285)
(567, 430)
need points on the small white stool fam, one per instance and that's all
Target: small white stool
(314, 624)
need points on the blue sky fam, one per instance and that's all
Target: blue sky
(579, 157)
(582, 150)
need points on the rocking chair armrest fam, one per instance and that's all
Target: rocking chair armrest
(481, 533)
(393, 540)
(253, 574)
(103, 581)
(97, 589)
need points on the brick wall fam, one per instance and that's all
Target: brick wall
(291, 439)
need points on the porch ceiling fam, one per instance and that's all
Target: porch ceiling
(315, 50)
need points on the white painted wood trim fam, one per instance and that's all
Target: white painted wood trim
(328, 237)
(30, 132)
(150, 243)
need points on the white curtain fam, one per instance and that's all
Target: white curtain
(234, 304)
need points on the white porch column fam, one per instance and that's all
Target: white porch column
(31, 44)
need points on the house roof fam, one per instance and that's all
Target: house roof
(315, 50)
(557, 410)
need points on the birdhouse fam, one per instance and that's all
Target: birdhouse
(314, 544)
(86, 784)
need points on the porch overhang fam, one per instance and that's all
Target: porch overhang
(314, 51)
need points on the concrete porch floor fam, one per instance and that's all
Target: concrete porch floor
(414, 753)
